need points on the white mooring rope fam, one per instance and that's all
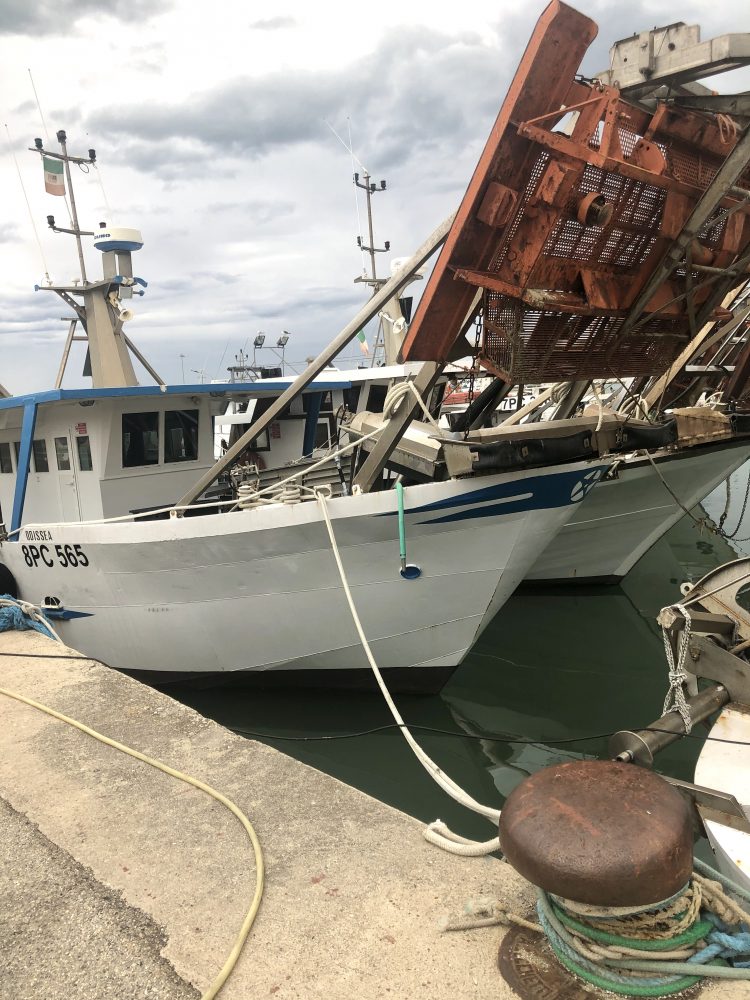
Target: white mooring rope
(436, 833)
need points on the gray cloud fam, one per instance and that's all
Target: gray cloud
(417, 90)
(57, 17)
(273, 24)
(261, 212)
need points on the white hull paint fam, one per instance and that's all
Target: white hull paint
(625, 516)
(259, 589)
(725, 766)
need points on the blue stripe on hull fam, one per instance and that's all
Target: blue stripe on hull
(535, 493)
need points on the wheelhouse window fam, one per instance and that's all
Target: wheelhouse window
(140, 439)
(376, 399)
(40, 456)
(6, 464)
(62, 454)
(180, 435)
(84, 453)
(326, 402)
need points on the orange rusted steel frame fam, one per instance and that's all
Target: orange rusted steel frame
(558, 44)
(510, 234)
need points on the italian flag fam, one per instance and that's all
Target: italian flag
(53, 176)
(363, 342)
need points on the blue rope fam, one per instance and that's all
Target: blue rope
(734, 946)
(14, 619)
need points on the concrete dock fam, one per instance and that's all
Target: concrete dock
(119, 882)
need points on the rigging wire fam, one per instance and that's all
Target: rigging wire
(28, 206)
(46, 136)
(98, 171)
(354, 160)
(499, 737)
(356, 196)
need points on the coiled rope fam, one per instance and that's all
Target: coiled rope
(252, 911)
(436, 833)
(17, 616)
(690, 936)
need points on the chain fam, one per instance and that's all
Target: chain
(732, 534)
(722, 519)
(675, 700)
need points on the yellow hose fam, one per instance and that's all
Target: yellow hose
(247, 923)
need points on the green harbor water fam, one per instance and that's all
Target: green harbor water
(556, 665)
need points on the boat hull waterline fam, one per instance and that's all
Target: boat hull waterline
(258, 590)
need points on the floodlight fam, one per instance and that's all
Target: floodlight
(283, 340)
(259, 340)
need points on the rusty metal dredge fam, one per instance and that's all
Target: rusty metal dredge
(599, 233)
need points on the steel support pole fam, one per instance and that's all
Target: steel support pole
(392, 287)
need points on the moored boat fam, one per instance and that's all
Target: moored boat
(143, 568)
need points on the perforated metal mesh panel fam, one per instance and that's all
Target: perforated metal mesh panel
(530, 345)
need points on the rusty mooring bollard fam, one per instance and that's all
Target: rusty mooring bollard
(599, 832)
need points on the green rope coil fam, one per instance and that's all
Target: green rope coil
(576, 944)
(604, 983)
(695, 933)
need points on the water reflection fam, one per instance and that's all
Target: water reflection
(554, 665)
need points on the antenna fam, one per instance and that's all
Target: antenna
(370, 188)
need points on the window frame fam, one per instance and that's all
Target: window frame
(167, 440)
(143, 431)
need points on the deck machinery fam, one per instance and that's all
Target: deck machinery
(600, 230)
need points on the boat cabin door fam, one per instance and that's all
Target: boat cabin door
(67, 479)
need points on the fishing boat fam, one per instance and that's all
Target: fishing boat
(605, 236)
(112, 528)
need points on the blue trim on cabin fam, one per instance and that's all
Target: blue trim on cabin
(249, 389)
(23, 463)
(311, 422)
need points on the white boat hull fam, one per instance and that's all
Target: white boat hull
(626, 515)
(259, 589)
(726, 767)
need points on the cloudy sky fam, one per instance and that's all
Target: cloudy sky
(213, 125)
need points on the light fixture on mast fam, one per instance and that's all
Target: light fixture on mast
(260, 339)
(282, 342)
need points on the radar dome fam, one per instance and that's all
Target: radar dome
(117, 238)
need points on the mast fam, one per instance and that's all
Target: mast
(374, 282)
(370, 188)
(61, 138)
(392, 323)
(101, 312)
